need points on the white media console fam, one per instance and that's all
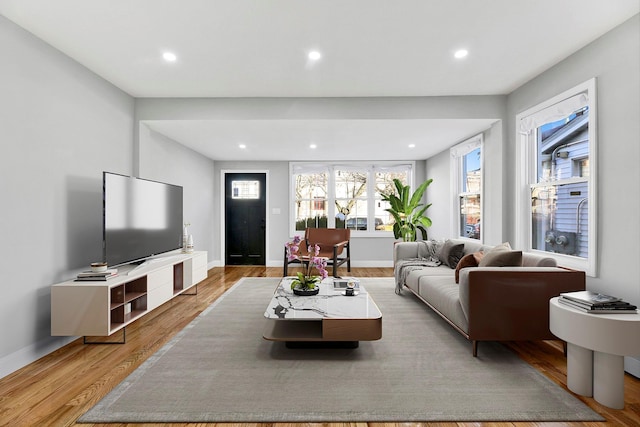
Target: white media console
(103, 307)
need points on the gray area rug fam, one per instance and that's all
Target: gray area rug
(220, 369)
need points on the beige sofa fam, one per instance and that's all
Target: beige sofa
(504, 303)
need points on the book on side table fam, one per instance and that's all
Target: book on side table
(592, 302)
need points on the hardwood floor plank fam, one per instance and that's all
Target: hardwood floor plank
(60, 387)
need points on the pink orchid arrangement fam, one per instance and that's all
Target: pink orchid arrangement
(305, 280)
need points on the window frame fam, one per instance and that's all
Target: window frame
(370, 167)
(351, 168)
(457, 154)
(526, 179)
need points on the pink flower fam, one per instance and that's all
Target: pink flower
(293, 253)
(321, 266)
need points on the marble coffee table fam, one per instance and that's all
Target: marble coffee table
(327, 318)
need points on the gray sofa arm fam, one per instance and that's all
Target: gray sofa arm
(404, 250)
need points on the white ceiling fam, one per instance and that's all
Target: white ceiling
(335, 139)
(257, 48)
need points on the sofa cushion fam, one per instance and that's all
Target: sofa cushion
(501, 247)
(471, 246)
(412, 280)
(414, 276)
(468, 260)
(443, 294)
(451, 253)
(442, 270)
(501, 259)
(501, 256)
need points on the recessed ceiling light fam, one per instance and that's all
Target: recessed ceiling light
(412, 145)
(314, 55)
(313, 146)
(243, 146)
(169, 56)
(461, 53)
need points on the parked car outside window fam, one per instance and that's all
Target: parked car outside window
(472, 231)
(361, 223)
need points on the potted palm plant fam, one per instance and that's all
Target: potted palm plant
(408, 211)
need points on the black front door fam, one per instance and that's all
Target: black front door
(245, 216)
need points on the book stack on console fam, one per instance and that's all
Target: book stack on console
(593, 302)
(93, 276)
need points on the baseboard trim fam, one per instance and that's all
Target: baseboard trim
(632, 366)
(214, 263)
(27, 355)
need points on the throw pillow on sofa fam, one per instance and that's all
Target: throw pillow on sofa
(468, 260)
(451, 253)
(501, 256)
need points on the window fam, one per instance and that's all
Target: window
(556, 188)
(319, 204)
(384, 176)
(310, 197)
(345, 195)
(466, 181)
(245, 189)
(351, 200)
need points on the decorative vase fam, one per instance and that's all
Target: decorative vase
(306, 292)
(189, 248)
(185, 237)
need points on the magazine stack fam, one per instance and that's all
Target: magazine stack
(592, 302)
(96, 276)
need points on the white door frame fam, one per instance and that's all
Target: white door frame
(223, 246)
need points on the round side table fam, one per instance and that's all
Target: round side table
(596, 346)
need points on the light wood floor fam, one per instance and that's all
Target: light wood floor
(60, 387)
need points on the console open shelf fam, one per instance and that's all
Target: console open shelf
(102, 308)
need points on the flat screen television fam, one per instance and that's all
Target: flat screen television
(141, 218)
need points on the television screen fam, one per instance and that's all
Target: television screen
(141, 218)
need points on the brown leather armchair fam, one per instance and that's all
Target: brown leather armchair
(334, 245)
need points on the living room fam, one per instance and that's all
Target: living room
(62, 125)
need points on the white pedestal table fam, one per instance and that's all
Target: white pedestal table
(596, 346)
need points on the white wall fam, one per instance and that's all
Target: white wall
(60, 127)
(440, 193)
(162, 159)
(614, 60)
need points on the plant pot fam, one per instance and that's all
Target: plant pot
(306, 292)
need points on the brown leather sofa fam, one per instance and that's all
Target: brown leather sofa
(333, 243)
(488, 303)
